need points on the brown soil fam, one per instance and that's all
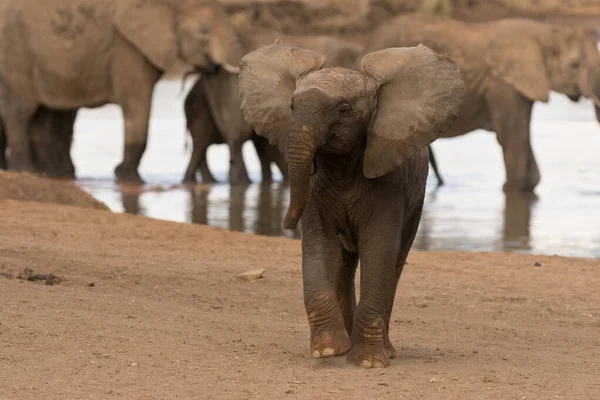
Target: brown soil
(27, 187)
(152, 309)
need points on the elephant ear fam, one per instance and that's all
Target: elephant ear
(520, 63)
(267, 80)
(419, 97)
(150, 26)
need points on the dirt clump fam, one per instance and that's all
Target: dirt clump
(28, 187)
(29, 275)
(167, 317)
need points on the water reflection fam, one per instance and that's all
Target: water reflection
(257, 209)
(470, 212)
(260, 208)
(517, 221)
(130, 199)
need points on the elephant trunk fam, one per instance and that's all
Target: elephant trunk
(303, 142)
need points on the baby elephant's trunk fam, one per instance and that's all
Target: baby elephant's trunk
(301, 148)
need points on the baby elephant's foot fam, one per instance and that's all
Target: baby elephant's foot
(329, 343)
(370, 356)
(328, 336)
(390, 351)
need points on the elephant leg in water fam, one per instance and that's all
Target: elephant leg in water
(51, 135)
(434, 166)
(268, 154)
(511, 117)
(204, 132)
(238, 174)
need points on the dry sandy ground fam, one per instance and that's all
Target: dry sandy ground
(153, 310)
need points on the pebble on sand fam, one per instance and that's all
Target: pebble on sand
(252, 275)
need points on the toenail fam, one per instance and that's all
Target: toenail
(328, 351)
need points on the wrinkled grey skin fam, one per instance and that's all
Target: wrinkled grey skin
(204, 133)
(356, 145)
(224, 123)
(67, 54)
(507, 65)
(51, 136)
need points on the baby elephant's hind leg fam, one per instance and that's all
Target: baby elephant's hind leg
(379, 250)
(408, 236)
(346, 293)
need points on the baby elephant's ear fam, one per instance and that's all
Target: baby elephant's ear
(267, 80)
(419, 97)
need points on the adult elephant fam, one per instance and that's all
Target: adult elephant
(213, 107)
(50, 138)
(67, 54)
(507, 65)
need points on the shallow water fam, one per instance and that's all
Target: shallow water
(470, 212)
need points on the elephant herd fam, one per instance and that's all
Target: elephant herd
(68, 54)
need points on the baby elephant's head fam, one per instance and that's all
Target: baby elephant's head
(401, 100)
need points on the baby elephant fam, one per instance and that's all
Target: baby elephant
(356, 146)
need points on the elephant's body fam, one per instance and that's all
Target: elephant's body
(222, 121)
(67, 54)
(506, 65)
(356, 145)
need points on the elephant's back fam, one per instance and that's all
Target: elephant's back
(442, 35)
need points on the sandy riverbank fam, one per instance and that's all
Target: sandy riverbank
(150, 309)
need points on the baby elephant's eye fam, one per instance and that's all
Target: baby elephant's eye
(344, 108)
(292, 106)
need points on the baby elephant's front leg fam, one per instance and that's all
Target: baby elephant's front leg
(321, 263)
